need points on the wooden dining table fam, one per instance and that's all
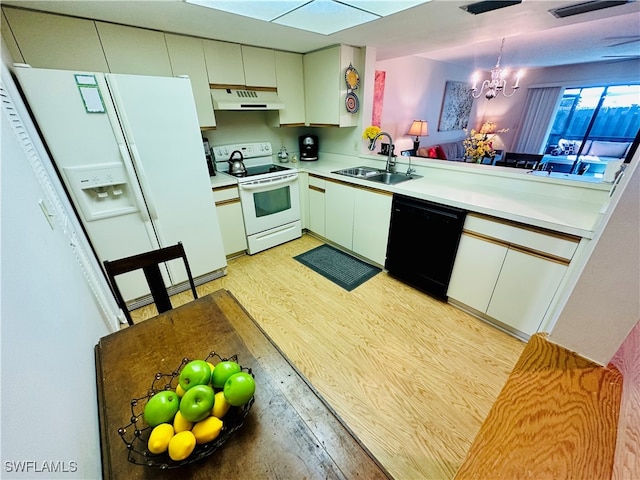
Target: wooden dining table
(289, 433)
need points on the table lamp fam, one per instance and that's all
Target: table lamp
(418, 128)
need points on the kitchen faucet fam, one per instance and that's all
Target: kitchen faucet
(391, 163)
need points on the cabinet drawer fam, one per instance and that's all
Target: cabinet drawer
(511, 234)
(317, 182)
(226, 195)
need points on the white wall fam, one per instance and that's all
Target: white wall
(50, 324)
(414, 90)
(604, 303)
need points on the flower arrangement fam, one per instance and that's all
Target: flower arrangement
(371, 132)
(479, 144)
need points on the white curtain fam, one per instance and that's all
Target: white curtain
(536, 119)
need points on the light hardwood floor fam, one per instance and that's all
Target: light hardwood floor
(412, 377)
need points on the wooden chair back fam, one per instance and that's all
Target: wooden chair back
(149, 263)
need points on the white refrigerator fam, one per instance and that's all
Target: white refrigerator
(129, 151)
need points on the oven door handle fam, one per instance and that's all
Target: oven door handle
(268, 185)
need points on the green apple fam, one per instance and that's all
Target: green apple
(197, 402)
(196, 372)
(239, 388)
(222, 372)
(161, 408)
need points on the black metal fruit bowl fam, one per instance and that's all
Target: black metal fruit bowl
(135, 435)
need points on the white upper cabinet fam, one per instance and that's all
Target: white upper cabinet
(187, 58)
(325, 86)
(259, 67)
(290, 82)
(235, 65)
(224, 63)
(10, 41)
(135, 51)
(55, 41)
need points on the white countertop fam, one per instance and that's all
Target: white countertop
(552, 202)
(556, 204)
(221, 179)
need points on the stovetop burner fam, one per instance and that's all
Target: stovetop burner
(260, 170)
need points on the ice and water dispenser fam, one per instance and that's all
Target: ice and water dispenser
(101, 191)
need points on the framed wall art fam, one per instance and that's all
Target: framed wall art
(456, 106)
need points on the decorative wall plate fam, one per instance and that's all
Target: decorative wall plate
(352, 77)
(352, 103)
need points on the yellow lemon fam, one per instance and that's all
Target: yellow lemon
(179, 391)
(212, 366)
(207, 430)
(160, 437)
(181, 424)
(181, 445)
(220, 405)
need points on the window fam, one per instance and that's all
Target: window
(596, 123)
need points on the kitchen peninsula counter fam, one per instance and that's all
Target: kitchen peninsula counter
(564, 206)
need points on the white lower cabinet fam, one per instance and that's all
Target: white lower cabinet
(509, 273)
(358, 219)
(475, 271)
(317, 209)
(339, 205)
(229, 210)
(524, 290)
(372, 215)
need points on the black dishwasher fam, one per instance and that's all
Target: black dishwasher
(423, 241)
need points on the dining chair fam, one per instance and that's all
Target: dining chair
(149, 263)
(528, 161)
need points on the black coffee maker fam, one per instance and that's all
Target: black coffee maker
(308, 147)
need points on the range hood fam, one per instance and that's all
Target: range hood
(238, 99)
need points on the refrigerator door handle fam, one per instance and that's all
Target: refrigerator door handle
(132, 178)
(135, 156)
(142, 178)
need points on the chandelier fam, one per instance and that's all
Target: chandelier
(497, 84)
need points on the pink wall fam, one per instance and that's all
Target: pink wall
(627, 360)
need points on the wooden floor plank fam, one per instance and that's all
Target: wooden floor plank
(556, 418)
(411, 376)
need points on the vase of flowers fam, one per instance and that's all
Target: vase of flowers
(479, 144)
(370, 133)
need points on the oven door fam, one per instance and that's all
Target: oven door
(270, 202)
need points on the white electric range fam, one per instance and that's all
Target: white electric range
(269, 194)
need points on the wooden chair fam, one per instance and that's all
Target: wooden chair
(148, 262)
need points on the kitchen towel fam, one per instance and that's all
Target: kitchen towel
(337, 266)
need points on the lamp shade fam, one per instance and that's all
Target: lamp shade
(419, 128)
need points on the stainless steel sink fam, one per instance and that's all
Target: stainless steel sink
(376, 175)
(392, 178)
(359, 172)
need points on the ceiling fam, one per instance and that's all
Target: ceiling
(438, 30)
